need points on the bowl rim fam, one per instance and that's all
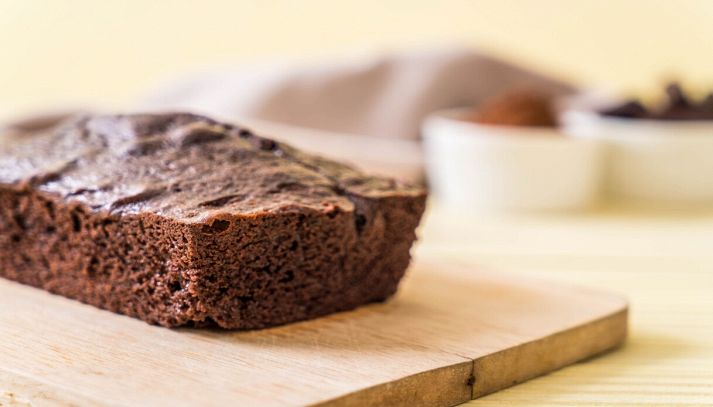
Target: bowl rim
(569, 116)
(453, 116)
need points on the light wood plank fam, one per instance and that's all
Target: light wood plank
(660, 259)
(419, 347)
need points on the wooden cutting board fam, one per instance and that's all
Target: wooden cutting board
(450, 335)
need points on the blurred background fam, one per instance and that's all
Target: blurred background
(113, 54)
(107, 53)
(335, 72)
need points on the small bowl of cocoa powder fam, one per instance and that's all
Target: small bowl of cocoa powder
(509, 153)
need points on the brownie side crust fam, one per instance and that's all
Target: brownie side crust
(180, 220)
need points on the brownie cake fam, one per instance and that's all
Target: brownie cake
(177, 219)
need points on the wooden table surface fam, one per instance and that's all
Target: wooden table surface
(661, 260)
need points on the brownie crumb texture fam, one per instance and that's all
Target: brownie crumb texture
(180, 220)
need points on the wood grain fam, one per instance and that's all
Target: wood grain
(660, 259)
(418, 349)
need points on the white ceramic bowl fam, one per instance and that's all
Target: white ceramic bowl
(477, 166)
(652, 161)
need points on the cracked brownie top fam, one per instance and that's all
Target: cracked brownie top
(182, 166)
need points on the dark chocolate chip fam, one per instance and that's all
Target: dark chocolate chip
(631, 109)
(676, 97)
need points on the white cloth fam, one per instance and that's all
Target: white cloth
(385, 96)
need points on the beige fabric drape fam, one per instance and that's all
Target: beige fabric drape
(381, 96)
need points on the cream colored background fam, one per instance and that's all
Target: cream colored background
(106, 52)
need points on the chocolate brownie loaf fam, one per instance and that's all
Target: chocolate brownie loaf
(177, 219)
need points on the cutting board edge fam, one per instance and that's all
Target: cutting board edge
(535, 358)
(584, 341)
(444, 386)
(610, 322)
